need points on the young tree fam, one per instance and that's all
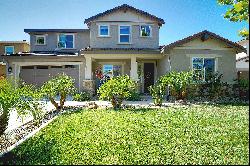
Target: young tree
(237, 12)
(61, 85)
(117, 89)
(18, 96)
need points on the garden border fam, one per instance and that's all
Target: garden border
(27, 136)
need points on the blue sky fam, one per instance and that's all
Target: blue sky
(182, 17)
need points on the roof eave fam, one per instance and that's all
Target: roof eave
(125, 6)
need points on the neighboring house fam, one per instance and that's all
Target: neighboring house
(242, 60)
(11, 47)
(122, 40)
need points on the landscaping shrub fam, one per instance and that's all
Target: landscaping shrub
(157, 92)
(244, 83)
(214, 85)
(243, 88)
(177, 81)
(82, 96)
(135, 96)
(19, 96)
(117, 89)
(61, 85)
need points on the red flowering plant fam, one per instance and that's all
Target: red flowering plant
(98, 72)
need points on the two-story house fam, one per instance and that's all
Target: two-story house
(242, 60)
(122, 40)
(11, 47)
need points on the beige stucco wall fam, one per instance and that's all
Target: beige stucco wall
(124, 18)
(181, 57)
(163, 65)
(113, 41)
(18, 47)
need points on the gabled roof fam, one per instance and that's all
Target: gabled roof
(56, 30)
(125, 7)
(203, 36)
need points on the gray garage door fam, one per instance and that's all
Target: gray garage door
(37, 75)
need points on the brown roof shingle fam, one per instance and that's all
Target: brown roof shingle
(204, 34)
(125, 6)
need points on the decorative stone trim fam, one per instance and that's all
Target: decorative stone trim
(27, 136)
(89, 86)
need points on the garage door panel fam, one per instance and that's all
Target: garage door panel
(39, 76)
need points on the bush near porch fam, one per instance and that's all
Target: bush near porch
(203, 134)
(182, 85)
(117, 89)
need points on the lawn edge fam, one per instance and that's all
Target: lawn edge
(27, 137)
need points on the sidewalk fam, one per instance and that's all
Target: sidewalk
(15, 121)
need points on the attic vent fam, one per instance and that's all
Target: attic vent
(204, 37)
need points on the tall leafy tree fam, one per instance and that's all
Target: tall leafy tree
(237, 12)
(15, 95)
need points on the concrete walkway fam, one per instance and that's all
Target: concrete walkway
(15, 121)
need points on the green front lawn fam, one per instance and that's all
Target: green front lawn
(194, 135)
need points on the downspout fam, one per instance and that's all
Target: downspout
(168, 88)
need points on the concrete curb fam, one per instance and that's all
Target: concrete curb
(27, 136)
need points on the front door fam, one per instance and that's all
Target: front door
(148, 76)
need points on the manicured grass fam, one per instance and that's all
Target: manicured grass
(194, 135)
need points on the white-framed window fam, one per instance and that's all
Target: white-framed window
(103, 30)
(9, 50)
(125, 34)
(66, 41)
(146, 31)
(203, 68)
(40, 39)
(109, 69)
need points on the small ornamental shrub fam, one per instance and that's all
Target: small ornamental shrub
(158, 93)
(176, 81)
(82, 96)
(135, 96)
(19, 96)
(214, 85)
(61, 85)
(243, 88)
(179, 81)
(243, 83)
(116, 90)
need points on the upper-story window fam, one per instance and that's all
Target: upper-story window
(66, 41)
(124, 34)
(203, 68)
(146, 31)
(40, 40)
(103, 30)
(9, 50)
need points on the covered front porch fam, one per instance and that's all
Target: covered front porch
(140, 67)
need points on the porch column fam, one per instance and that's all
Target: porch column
(88, 68)
(16, 71)
(133, 71)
